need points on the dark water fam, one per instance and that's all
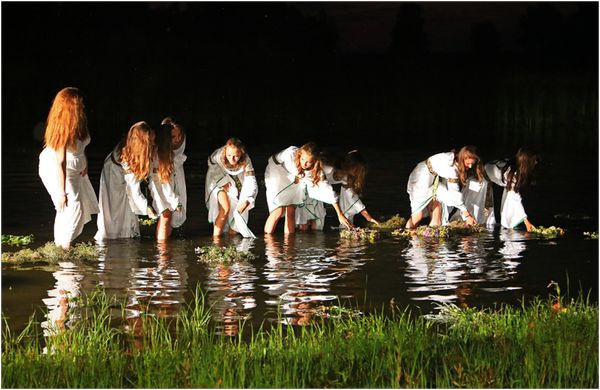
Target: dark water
(297, 274)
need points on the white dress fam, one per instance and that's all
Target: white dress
(243, 186)
(163, 194)
(81, 198)
(178, 182)
(350, 203)
(512, 212)
(121, 200)
(280, 183)
(479, 201)
(438, 181)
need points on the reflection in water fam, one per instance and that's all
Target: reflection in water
(300, 269)
(61, 300)
(452, 270)
(150, 284)
(231, 291)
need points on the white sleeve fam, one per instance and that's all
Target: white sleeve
(170, 196)
(249, 185)
(455, 197)
(323, 191)
(494, 172)
(137, 201)
(350, 202)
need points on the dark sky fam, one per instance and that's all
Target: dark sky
(368, 26)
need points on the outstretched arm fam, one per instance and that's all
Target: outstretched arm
(368, 217)
(343, 220)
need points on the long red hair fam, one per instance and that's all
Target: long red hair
(67, 121)
(313, 150)
(354, 167)
(136, 148)
(164, 152)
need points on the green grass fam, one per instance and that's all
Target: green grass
(52, 254)
(216, 254)
(13, 240)
(530, 346)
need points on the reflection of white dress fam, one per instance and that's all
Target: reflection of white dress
(60, 298)
(512, 212)
(81, 198)
(312, 209)
(178, 179)
(441, 184)
(242, 186)
(120, 200)
(281, 190)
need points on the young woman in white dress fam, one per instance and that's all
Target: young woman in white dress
(230, 186)
(512, 174)
(165, 200)
(121, 198)
(63, 166)
(178, 139)
(433, 186)
(292, 176)
(349, 171)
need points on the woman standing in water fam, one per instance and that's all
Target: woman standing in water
(178, 139)
(349, 171)
(291, 176)
(164, 199)
(121, 198)
(230, 186)
(433, 186)
(63, 166)
(514, 175)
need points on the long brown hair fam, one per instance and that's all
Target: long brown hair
(468, 151)
(170, 121)
(354, 166)
(136, 148)
(314, 151)
(239, 145)
(164, 152)
(520, 169)
(67, 121)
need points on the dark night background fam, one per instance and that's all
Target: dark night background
(390, 75)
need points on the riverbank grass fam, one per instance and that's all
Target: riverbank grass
(524, 347)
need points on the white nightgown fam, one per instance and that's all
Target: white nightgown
(350, 203)
(121, 201)
(243, 186)
(281, 189)
(442, 184)
(81, 198)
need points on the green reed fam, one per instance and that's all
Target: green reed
(536, 345)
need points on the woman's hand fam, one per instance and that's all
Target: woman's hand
(61, 202)
(374, 221)
(84, 172)
(470, 221)
(151, 213)
(242, 206)
(528, 225)
(345, 221)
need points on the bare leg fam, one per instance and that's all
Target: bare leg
(272, 220)
(414, 220)
(163, 227)
(290, 219)
(223, 213)
(436, 213)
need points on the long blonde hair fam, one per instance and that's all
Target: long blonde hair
(136, 148)
(468, 151)
(354, 167)
(313, 150)
(67, 121)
